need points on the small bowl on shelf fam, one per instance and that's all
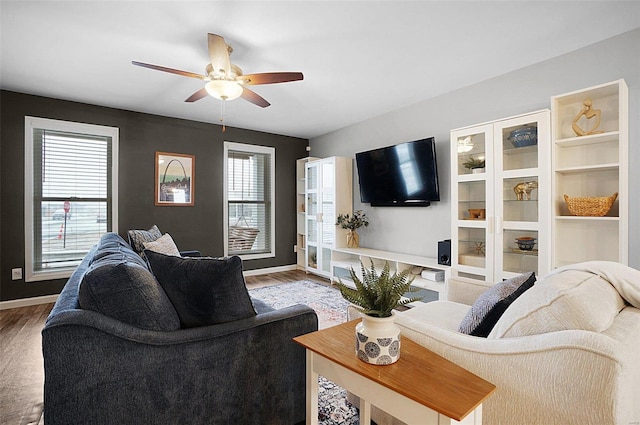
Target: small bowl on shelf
(477, 213)
(525, 136)
(526, 243)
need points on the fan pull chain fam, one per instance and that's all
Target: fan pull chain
(224, 128)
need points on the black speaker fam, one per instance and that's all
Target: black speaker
(444, 252)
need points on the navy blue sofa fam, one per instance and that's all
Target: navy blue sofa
(101, 369)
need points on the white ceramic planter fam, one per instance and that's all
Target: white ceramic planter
(378, 340)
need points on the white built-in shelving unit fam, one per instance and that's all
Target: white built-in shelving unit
(487, 213)
(594, 165)
(345, 259)
(301, 235)
(328, 192)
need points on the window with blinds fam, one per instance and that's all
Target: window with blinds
(71, 182)
(249, 200)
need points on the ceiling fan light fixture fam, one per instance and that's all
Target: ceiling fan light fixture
(224, 89)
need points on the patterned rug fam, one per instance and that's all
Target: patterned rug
(331, 308)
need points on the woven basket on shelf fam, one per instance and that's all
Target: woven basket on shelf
(590, 206)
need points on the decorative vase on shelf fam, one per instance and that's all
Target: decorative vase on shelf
(378, 340)
(351, 223)
(353, 240)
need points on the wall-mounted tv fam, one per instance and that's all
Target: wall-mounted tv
(402, 175)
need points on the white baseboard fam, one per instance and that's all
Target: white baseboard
(26, 302)
(270, 270)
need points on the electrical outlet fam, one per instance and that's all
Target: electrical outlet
(16, 274)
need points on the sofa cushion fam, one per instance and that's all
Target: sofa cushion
(490, 306)
(441, 313)
(203, 290)
(163, 245)
(113, 249)
(127, 292)
(139, 237)
(568, 300)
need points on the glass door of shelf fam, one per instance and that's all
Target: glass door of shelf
(320, 214)
(312, 215)
(522, 183)
(471, 152)
(501, 197)
(473, 206)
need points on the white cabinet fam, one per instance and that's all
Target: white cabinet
(301, 233)
(328, 192)
(431, 288)
(497, 207)
(593, 165)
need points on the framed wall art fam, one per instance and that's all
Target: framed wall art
(174, 179)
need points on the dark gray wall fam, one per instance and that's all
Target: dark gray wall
(141, 135)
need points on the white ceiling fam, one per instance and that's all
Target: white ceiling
(359, 59)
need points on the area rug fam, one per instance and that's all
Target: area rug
(331, 308)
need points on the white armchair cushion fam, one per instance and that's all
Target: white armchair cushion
(569, 300)
(443, 314)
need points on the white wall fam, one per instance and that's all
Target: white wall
(416, 230)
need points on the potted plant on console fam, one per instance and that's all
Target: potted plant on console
(352, 223)
(376, 296)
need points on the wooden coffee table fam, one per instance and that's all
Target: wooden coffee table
(420, 388)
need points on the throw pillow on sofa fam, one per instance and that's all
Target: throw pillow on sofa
(491, 305)
(139, 237)
(127, 292)
(163, 245)
(204, 290)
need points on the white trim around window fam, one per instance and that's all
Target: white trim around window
(264, 247)
(33, 125)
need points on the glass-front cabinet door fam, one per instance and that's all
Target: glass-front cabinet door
(523, 195)
(472, 204)
(500, 198)
(312, 214)
(328, 193)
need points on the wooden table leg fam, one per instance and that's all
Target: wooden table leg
(365, 412)
(312, 391)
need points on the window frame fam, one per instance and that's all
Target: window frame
(32, 123)
(250, 149)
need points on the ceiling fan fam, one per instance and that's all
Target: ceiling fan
(224, 80)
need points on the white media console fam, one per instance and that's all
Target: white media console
(344, 259)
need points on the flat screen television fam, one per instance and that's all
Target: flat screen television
(402, 175)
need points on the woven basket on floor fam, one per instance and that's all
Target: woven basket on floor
(590, 206)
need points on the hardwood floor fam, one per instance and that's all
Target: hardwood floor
(21, 365)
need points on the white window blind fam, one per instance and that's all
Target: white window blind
(71, 184)
(249, 174)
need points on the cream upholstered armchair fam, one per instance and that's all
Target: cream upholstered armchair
(567, 351)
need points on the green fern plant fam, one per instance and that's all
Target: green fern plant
(377, 295)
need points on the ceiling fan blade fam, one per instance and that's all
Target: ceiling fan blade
(271, 77)
(254, 98)
(170, 70)
(219, 54)
(197, 95)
